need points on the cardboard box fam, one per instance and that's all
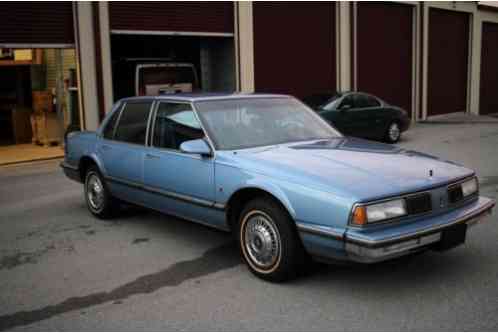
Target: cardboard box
(42, 101)
(23, 55)
(46, 129)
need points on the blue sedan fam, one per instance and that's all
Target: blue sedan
(288, 185)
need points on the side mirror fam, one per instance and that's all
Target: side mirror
(198, 146)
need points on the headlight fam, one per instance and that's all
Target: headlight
(386, 210)
(378, 212)
(469, 187)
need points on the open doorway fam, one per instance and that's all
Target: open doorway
(163, 64)
(38, 101)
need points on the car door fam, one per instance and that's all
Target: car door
(121, 151)
(362, 117)
(380, 117)
(177, 183)
(371, 118)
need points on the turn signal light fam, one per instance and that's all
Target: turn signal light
(359, 216)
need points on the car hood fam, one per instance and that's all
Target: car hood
(351, 167)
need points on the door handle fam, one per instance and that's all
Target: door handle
(152, 156)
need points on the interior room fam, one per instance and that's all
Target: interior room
(38, 101)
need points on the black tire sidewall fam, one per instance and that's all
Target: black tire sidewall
(291, 250)
(106, 208)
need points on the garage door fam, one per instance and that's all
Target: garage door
(36, 24)
(182, 17)
(294, 47)
(448, 57)
(489, 69)
(384, 51)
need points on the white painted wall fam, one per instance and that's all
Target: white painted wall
(246, 46)
(86, 63)
(343, 46)
(105, 51)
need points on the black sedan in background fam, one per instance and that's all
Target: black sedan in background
(361, 115)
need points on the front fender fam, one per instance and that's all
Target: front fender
(305, 205)
(266, 185)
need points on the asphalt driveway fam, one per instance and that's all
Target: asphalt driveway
(62, 269)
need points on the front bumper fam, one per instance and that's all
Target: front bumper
(394, 241)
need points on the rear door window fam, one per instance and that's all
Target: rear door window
(132, 126)
(360, 101)
(372, 102)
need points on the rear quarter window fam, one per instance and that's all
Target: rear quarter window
(372, 101)
(108, 132)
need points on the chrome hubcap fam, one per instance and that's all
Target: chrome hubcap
(394, 132)
(95, 192)
(262, 241)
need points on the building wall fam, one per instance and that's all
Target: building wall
(69, 62)
(346, 41)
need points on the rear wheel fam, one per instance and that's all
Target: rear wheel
(393, 133)
(98, 199)
(268, 241)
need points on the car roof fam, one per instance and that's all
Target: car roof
(197, 97)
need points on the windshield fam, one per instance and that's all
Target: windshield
(245, 123)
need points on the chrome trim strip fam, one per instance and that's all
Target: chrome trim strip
(486, 209)
(222, 228)
(181, 197)
(149, 120)
(206, 134)
(123, 182)
(152, 124)
(107, 118)
(319, 230)
(370, 255)
(219, 205)
(169, 194)
(118, 120)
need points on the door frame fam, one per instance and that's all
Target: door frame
(416, 56)
(460, 7)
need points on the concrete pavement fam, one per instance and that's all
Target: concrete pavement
(62, 269)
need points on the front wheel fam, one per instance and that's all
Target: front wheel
(393, 133)
(269, 242)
